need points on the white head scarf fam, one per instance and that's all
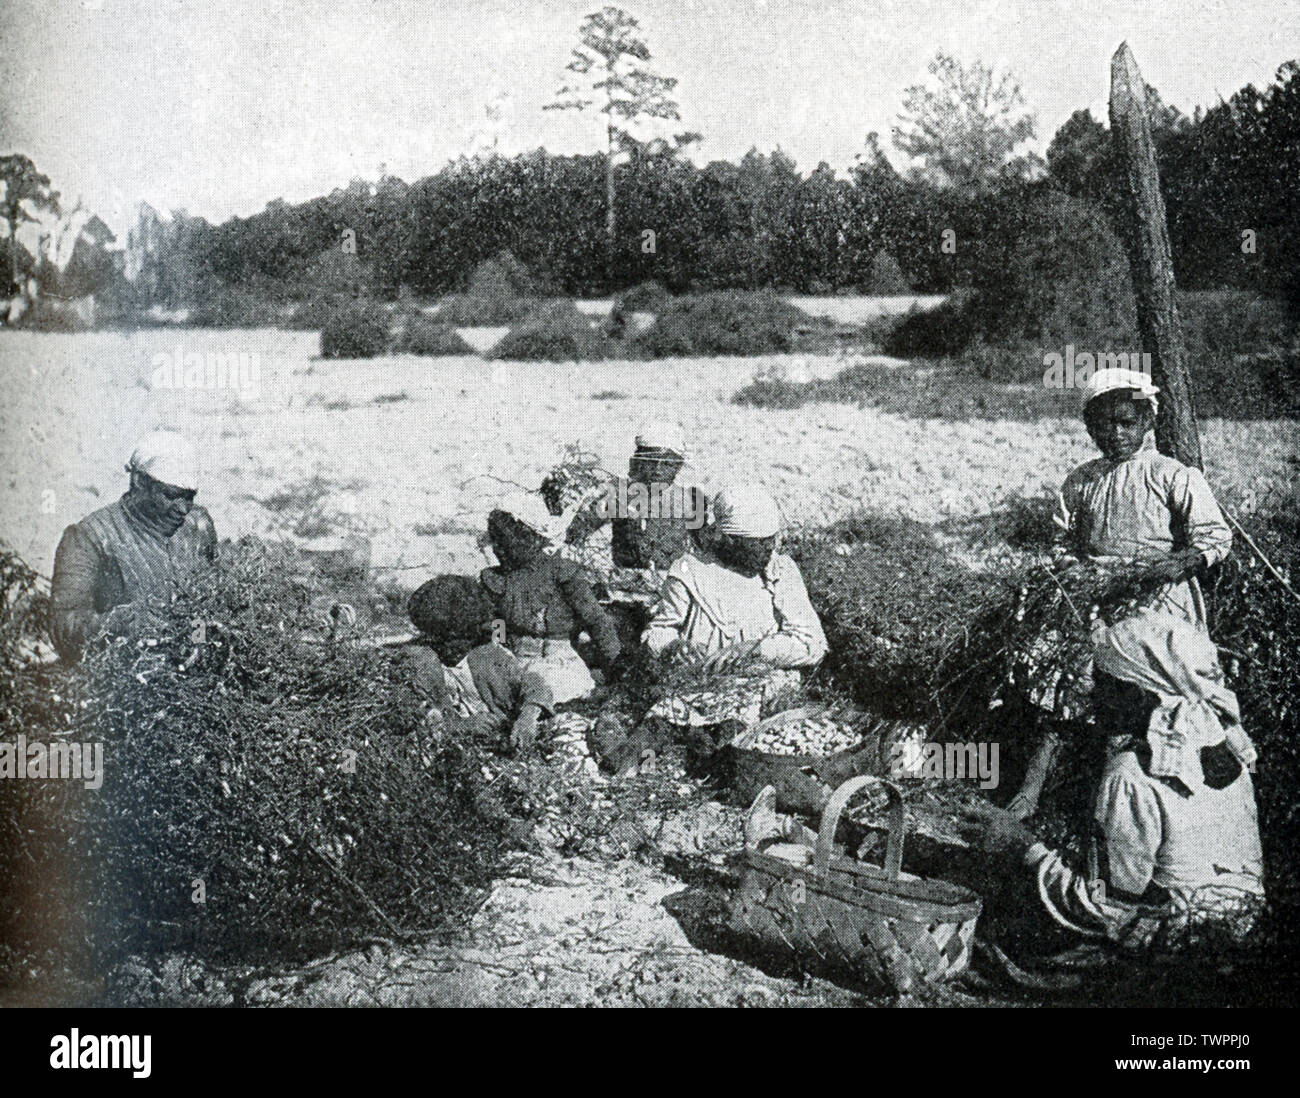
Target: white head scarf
(1178, 663)
(746, 511)
(661, 435)
(1113, 378)
(168, 457)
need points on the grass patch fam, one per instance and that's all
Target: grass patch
(947, 390)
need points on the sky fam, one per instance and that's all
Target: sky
(220, 106)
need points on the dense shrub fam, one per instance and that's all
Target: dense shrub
(887, 276)
(1051, 272)
(424, 336)
(43, 315)
(500, 291)
(554, 332)
(890, 597)
(313, 314)
(722, 322)
(505, 276)
(467, 311)
(645, 297)
(291, 772)
(932, 333)
(357, 329)
(1057, 274)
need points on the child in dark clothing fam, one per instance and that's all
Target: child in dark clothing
(457, 669)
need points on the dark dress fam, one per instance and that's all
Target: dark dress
(111, 557)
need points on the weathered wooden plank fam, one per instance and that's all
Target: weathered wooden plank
(1150, 259)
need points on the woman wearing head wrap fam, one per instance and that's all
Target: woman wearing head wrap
(1132, 508)
(742, 599)
(544, 601)
(741, 604)
(651, 517)
(1178, 854)
(1136, 506)
(133, 549)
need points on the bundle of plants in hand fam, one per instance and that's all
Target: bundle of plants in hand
(268, 786)
(1030, 638)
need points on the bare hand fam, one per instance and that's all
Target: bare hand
(523, 735)
(1177, 566)
(994, 830)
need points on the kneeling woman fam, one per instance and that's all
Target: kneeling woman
(544, 601)
(1178, 847)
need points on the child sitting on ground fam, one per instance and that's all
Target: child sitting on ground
(458, 670)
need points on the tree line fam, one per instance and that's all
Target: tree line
(1230, 177)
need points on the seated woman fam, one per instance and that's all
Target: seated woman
(1178, 853)
(742, 603)
(543, 601)
(455, 668)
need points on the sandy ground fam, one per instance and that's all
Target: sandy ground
(416, 449)
(413, 451)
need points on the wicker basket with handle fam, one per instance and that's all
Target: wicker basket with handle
(876, 923)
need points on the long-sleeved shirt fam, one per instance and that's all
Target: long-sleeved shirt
(489, 682)
(649, 540)
(551, 598)
(710, 606)
(1145, 506)
(1168, 856)
(113, 556)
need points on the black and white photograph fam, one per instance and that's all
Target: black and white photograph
(713, 503)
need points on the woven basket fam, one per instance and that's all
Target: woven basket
(876, 923)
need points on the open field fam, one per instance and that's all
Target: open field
(406, 442)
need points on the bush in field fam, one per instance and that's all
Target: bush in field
(1243, 354)
(932, 333)
(357, 329)
(313, 314)
(554, 332)
(48, 316)
(722, 322)
(1057, 274)
(500, 291)
(890, 597)
(1051, 272)
(887, 276)
(466, 311)
(644, 297)
(425, 336)
(293, 773)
